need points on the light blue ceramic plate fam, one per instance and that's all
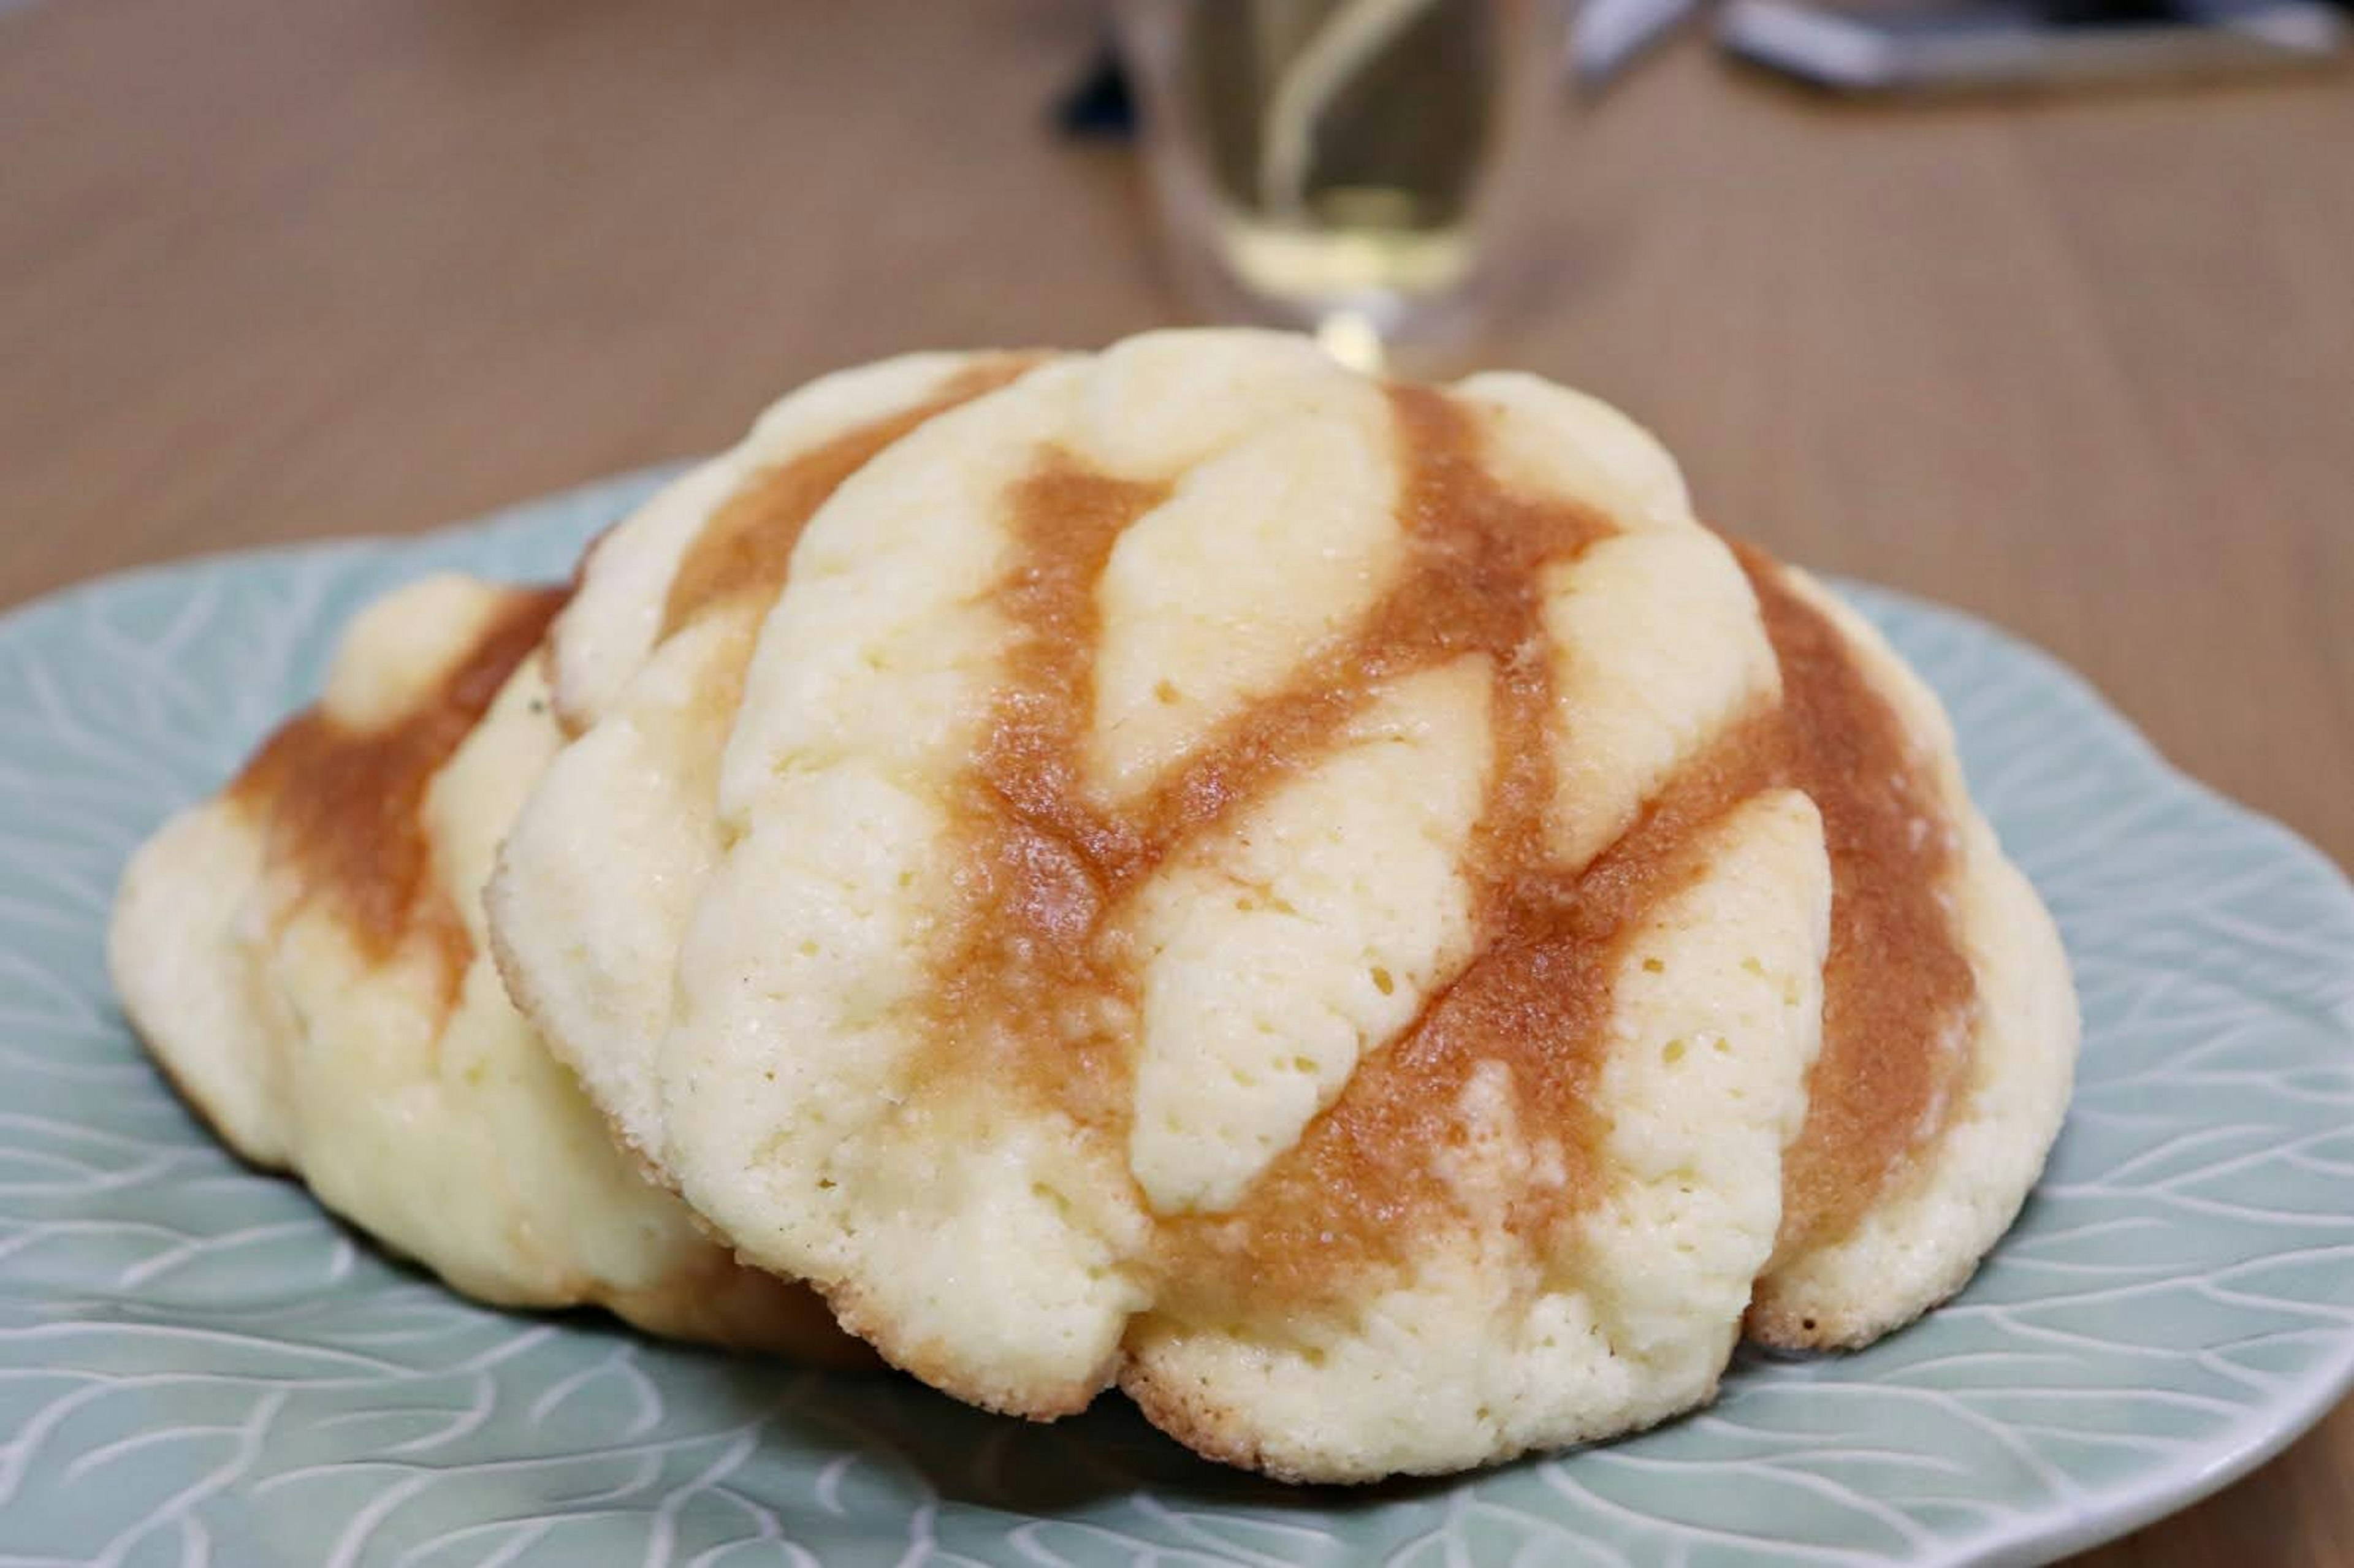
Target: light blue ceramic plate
(196, 1367)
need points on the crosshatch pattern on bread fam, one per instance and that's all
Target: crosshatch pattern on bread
(1340, 908)
(1337, 906)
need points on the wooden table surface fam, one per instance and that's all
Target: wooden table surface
(2085, 367)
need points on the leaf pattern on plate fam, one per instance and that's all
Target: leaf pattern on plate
(198, 1366)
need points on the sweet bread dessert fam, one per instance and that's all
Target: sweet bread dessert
(1338, 907)
(303, 954)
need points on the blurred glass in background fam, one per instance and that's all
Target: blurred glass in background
(1346, 166)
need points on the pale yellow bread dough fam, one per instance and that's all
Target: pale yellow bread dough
(973, 1234)
(729, 900)
(1923, 1238)
(599, 876)
(437, 1124)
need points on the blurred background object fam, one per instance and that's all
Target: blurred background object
(1344, 166)
(1962, 46)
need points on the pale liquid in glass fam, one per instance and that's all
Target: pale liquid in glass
(1340, 148)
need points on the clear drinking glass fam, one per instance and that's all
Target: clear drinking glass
(1348, 166)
